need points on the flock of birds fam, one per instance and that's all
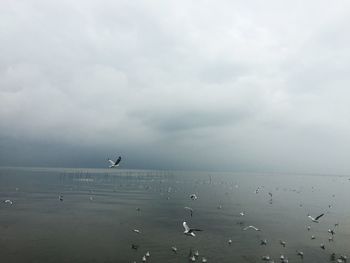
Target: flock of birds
(192, 232)
(194, 255)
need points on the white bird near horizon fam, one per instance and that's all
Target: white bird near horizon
(316, 218)
(116, 163)
(300, 253)
(253, 227)
(8, 201)
(265, 258)
(190, 231)
(193, 196)
(174, 249)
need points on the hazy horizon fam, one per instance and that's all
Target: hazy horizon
(218, 86)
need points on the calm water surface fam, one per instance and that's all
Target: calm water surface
(99, 211)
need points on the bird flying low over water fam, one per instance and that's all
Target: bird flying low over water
(116, 163)
(190, 231)
(8, 201)
(316, 218)
(193, 196)
(252, 227)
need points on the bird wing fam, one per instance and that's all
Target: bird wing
(319, 216)
(186, 226)
(111, 161)
(118, 160)
(196, 229)
(257, 229)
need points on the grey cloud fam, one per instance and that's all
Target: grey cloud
(184, 120)
(183, 85)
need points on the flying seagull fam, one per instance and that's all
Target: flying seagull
(193, 197)
(174, 249)
(283, 259)
(263, 242)
(190, 231)
(253, 227)
(332, 231)
(116, 163)
(265, 258)
(8, 201)
(300, 253)
(134, 246)
(316, 218)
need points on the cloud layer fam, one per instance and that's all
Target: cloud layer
(224, 85)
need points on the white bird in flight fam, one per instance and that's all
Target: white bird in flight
(116, 163)
(190, 231)
(8, 201)
(253, 227)
(265, 258)
(316, 218)
(300, 253)
(193, 197)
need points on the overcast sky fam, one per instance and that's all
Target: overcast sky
(259, 86)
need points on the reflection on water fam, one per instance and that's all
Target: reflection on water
(99, 210)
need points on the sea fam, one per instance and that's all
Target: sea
(117, 215)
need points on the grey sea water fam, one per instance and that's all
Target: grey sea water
(99, 211)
